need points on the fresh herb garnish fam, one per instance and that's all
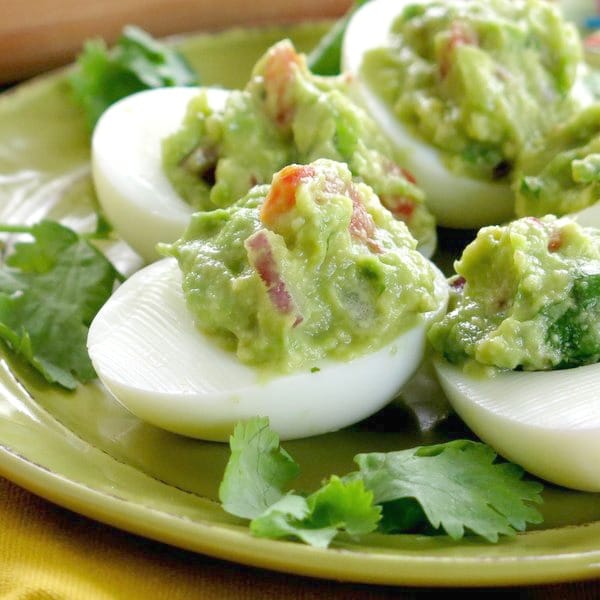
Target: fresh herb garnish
(138, 62)
(338, 505)
(50, 290)
(450, 487)
(458, 486)
(326, 57)
(257, 472)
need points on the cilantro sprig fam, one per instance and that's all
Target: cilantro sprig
(452, 488)
(138, 62)
(50, 290)
(325, 58)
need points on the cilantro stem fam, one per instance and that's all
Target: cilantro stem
(6, 228)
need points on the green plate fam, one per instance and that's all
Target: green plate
(84, 451)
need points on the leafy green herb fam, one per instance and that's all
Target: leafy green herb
(257, 471)
(573, 333)
(326, 57)
(50, 290)
(316, 520)
(456, 487)
(138, 62)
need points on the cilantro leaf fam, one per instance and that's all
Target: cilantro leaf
(138, 62)
(316, 520)
(325, 58)
(458, 486)
(453, 486)
(50, 290)
(257, 471)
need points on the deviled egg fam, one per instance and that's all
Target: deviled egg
(127, 166)
(520, 345)
(463, 88)
(228, 142)
(305, 301)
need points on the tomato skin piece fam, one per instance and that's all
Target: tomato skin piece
(260, 256)
(279, 74)
(281, 199)
(555, 241)
(460, 35)
(282, 195)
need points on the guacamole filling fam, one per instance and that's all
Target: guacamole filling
(309, 267)
(478, 79)
(286, 115)
(563, 175)
(526, 296)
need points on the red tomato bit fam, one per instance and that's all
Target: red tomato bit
(282, 62)
(260, 256)
(282, 195)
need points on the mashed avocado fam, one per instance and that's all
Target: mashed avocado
(479, 79)
(526, 296)
(286, 115)
(563, 174)
(310, 267)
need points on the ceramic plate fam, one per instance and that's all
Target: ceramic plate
(85, 452)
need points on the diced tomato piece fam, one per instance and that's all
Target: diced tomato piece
(282, 61)
(460, 35)
(458, 283)
(555, 241)
(260, 256)
(408, 175)
(362, 227)
(400, 206)
(392, 167)
(282, 195)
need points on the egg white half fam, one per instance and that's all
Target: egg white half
(546, 421)
(455, 200)
(588, 217)
(132, 188)
(151, 357)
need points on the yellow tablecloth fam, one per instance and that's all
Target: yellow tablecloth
(49, 553)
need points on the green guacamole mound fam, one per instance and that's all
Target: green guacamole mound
(479, 79)
(286, 115)
(310, 267)
(527, 296)
(563, 175)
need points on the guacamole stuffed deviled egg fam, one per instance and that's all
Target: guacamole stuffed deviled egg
(161, 154)
(520, 345)
(462, 88)
(305, 302)
(127, 165)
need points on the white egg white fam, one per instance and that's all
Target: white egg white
(151, 357)
(546, 421)
(455, 200)
(588, 217)
(130, 183)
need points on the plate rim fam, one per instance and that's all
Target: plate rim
(340, 562)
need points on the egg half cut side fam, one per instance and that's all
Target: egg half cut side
(546, 421)
(132, 187)
(157, 364)
(457, 201)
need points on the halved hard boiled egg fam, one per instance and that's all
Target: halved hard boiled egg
(150, 355)
(588, 217)
(456, 200)
(130, 182)
(546, 421)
